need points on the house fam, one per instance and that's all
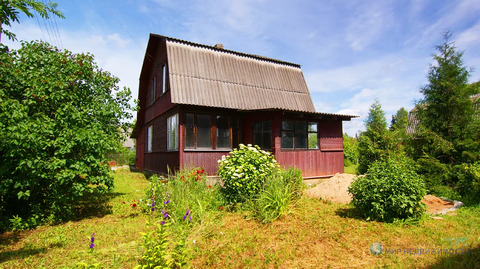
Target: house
(198, 102)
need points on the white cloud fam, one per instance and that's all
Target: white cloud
(113, 53)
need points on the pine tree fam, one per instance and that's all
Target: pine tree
(376, 142)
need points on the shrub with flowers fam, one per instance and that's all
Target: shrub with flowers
(244, 172)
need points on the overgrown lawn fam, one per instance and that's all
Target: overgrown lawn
(315, 234)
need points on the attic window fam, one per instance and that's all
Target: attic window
(164, 78)
(154, 87)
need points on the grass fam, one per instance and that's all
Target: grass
(351, 169)
(314, 234)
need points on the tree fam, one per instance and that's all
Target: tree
(400, 120)
(448, 132)
(9, 10)
(376, 142)
(350, 150)
(59, 118)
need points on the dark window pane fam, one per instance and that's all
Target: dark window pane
(301, 140)
(267, 140)
(203, 131)
(287, 125)
(189, 137)
(312, 127)
(257, 139)
(287, 140)
(267, 126)
(300, 126)
(189, 119)
(312, 141)
(257, 127)
(223, 132)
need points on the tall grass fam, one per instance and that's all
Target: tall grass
(278, 193)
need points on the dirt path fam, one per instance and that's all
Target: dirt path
(335, 189)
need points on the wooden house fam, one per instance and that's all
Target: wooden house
(198, 102)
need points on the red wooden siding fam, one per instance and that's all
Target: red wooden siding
(203, 159)
(312, 162)
(159, 161)
(331, 137)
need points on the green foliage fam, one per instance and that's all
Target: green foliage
(186, 190)
(163, 249)
(279, 191)
(468, 176)
(400, 120)
(244, 172)
(58, 119)
(9, 11)
(447, 135)
(376, 142)
(390, 190)
(350, 150)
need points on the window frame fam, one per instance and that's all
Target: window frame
(213, 132)
(150, 139)
(294, 132)
(262, 132)
(175, 128)
(154, 88)
(164, 79)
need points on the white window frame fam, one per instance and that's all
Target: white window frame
(164, 78)
(149, 138)
(172, 133)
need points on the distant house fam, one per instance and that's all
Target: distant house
(198, 102)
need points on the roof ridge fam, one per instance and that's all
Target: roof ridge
(255, 56)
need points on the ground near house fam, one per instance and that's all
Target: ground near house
(335, 189)
(314, 234)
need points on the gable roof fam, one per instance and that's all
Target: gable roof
(207, 76)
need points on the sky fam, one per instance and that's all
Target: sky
(351, 52)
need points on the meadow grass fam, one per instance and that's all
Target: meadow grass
(314, 234)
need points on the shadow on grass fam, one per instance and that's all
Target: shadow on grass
(94, 205)
(350, 212)
(470, 259)
(25, 252)
(9, 238)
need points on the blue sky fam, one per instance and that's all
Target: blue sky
(351, 52)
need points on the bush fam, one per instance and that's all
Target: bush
(244, 172)
(58, 119)
(390, 190)
(468, 180)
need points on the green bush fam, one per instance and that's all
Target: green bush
(468, 180)
(60, 114)
(390, 190)
(244, 172)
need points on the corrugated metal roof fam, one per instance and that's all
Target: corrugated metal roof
(207, 76)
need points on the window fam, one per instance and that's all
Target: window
(223, 132)
(172, 132)
(164, 78)
(203, 131)
(149, 138)
(299, 135)
(207, 131)
(154, 87)
(312, 135)
(262, 134)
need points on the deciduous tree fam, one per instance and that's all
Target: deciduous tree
(59, 116)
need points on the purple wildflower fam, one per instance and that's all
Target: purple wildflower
(186, 214)
(153, 204)
(165, 214)
(166, 202)
(92, 239)
(163, 222)
(190, 218)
